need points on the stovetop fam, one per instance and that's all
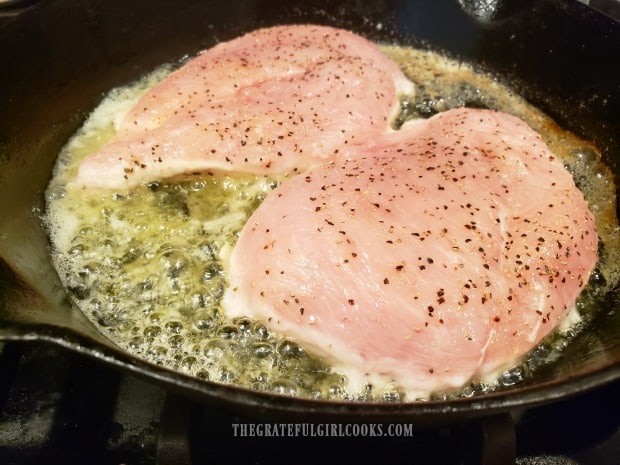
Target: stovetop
(58, 407)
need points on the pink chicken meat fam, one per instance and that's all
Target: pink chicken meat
(275, 101)
(436, 255)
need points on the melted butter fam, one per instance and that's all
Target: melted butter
(148, 267)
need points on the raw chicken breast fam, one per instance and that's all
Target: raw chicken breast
(439, 254)
(275, 101)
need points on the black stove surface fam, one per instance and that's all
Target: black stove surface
(58, 407)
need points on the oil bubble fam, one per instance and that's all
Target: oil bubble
(284, 387)
(189, 362)
(228, 331)
(262, 350)
(174, 327)
(288, 349)
(175, 341)
(152, 331)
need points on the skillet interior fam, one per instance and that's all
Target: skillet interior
(61, 56)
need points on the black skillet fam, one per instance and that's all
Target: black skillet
(59, 57)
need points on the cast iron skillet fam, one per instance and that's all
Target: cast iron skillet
(58, 58)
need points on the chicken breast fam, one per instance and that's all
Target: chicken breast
(432, 256)
(275, 101)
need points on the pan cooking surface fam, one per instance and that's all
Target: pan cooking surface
(165, 241)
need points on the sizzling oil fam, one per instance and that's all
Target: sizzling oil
(148, 267)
